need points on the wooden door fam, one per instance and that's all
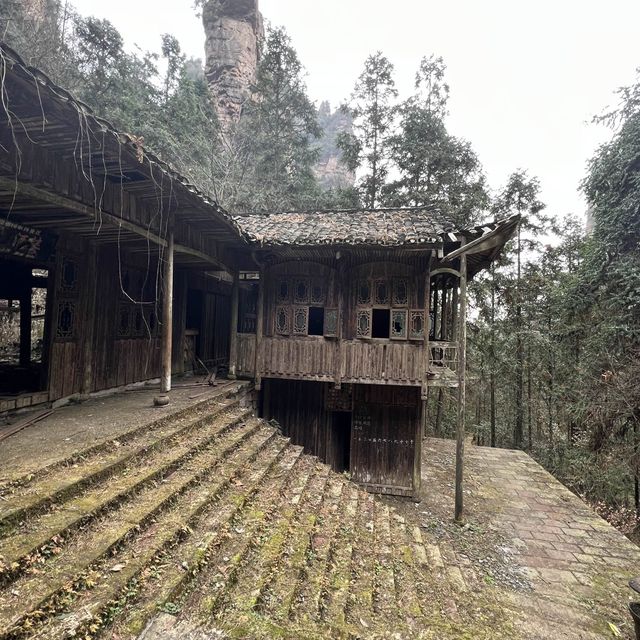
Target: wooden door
(383, 437)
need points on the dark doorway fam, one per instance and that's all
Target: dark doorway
(23, 300)
(341, 440)
(194, 318)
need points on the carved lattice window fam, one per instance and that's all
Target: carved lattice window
(317, 292)
(400, 292)
(283, 294)
(66, 319)
(331, 323)
(124, 321)
(416, 325)
(69, 276)
(381, 292)
(300, 320)
(283, 321)
(301, 291)
(363, 323)
(364, 292)
(398, 324)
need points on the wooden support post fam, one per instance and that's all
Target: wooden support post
(90, 288)
(337, 363)
(462, 352)
(233, 339)
(25, 326)
(259, 331)
(167, 323)
(427, 330)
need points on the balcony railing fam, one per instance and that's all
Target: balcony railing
(350, 361)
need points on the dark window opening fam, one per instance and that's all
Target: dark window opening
(316, 321)
(380, 323)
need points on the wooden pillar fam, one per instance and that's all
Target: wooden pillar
(167, 323)
(462, 353)
(25, 326)
(427, 352)
(90, 289)
(339, 285)
(444, 306)
(233, 338)
(259, 330)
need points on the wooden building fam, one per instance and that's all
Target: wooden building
(104, 230)
(343, 319)
(355, 314)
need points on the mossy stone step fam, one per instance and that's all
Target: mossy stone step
(31, 592)
(32, 536)
(182, 564)
(407, 567)
(229, 390)
(264, 547)
(359, 611)
(94, 607)
(276, 599)
(340, 571)
(384, 595)
(65, 481)
(306, 604)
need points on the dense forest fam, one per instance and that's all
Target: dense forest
(555, 326)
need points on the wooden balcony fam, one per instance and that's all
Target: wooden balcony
(358, 361)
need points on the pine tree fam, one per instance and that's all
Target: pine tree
(373, 110)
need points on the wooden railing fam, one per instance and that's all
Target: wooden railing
(384, 362)
(359, 361)
(443, 364)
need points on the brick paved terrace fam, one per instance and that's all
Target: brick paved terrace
(559, 569)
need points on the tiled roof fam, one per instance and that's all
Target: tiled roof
(386, 227)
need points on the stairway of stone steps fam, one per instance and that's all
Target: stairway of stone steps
(218, 520)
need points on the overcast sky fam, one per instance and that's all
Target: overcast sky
(526, 77)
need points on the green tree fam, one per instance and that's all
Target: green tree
(373, 110)
(520, 196)
(276, 133)
(435, 169)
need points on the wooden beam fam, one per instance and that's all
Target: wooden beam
(462, 353)
(496, 238)
(233, 338)
(72, 205)
(69, 204)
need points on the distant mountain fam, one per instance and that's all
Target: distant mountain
(330, 172)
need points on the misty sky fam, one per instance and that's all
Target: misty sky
(526, 77)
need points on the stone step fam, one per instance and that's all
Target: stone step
(384, 593)
(243, 593)
(157, 513)
(277, 596)
(178, 574)
(64, 480)
(307, 602)
(336, 591)
(47, 532)
(409, 569)
(359, 611)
